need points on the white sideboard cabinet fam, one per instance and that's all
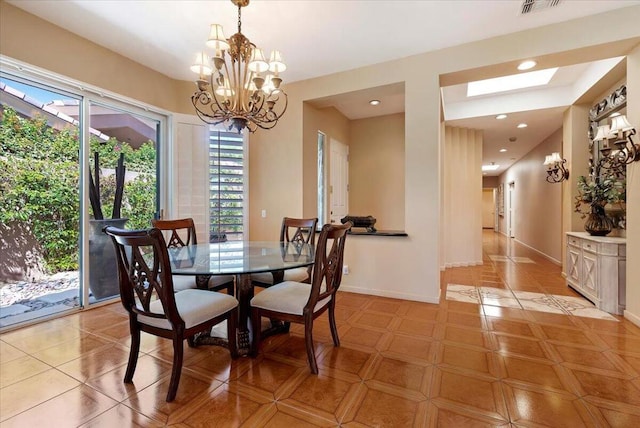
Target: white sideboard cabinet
(596, 268)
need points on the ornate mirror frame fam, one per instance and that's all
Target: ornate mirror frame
(614, 102)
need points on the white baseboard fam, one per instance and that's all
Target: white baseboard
(461, 264)
(546, 256)
(391, 294)
(635, 319)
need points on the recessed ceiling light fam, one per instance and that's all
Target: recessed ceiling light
(501, 116)
(526, 65)
(510, 83)
(374, 102)
(503, 150)
(491, 167)
(522, 125)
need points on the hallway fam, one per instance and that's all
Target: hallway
(400, 364)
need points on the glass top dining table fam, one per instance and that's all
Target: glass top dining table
(241, 259)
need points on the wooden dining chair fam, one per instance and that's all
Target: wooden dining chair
(295, 230)
(147, 293)
(302, 303)
(183, 233)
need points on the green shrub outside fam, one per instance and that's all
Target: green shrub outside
(39, 183)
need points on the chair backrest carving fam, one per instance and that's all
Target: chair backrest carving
(327, 268)
(298, 230)
(144, 271)
(178, 228)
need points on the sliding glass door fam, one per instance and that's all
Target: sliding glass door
(72, 160)
(39, 201)
(122, 186)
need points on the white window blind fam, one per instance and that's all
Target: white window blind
(226, 185)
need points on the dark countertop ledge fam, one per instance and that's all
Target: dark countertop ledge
(360, 231)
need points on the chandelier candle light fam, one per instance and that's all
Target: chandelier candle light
(625, 150)
(242, 88)
(556, 171)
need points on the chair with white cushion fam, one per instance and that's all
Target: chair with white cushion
(295, 230)
(302, 303)
(146, 291)
(183, 233)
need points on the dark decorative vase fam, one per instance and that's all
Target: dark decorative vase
(103, 271)
(598, 223)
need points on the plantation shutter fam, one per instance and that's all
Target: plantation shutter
(226, 184)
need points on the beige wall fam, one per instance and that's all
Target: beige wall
(575, 143)
(633, 193)
(490, 182)
(332, 124)
(376, 170)
(399, 267)
(537, 203)
(376, 163)
(28, 38)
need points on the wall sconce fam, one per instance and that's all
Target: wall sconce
(556, 172)
(625, 150)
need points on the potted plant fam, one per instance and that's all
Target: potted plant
(594, 193)
(103, 279)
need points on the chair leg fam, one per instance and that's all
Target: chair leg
(255, 329)
(332, 323)
(308, 338)
(176, 370)
(133, 352)
(232, 333)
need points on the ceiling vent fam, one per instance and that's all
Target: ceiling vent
(529, 6)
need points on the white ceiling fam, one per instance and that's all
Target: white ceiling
(319, 38)
(541, 108)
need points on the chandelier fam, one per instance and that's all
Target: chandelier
(242, 89)
(556, 171)
(624, 150)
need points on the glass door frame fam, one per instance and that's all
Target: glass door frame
(89, 94)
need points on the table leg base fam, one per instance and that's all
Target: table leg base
(244, 337)
(205, 338)
(243, 342)
(277, 327)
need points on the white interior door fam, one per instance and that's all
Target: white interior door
(339, 185)
(510, 210)
(496, 217)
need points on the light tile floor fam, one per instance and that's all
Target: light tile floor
(505, 298)
(400, 364)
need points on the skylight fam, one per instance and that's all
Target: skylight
(510, 83)
(491, 167)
